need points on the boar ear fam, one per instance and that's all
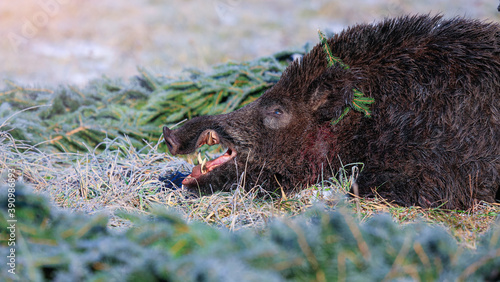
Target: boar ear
(319, 97)
(328, 99)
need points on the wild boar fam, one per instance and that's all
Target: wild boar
(431, 138)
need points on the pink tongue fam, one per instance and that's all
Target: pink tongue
(208, 165)
(218, 161)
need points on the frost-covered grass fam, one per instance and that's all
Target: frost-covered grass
(117, 219)
(320, 245)
(121, 177)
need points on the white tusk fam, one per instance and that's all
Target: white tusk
(203, 169)
(199, 158)
(202, 163)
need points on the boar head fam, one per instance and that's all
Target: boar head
(283, 139)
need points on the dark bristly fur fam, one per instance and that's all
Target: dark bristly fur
(434, 138)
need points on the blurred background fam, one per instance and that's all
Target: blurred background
(48, 42)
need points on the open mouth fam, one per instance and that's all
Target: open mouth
(208, 137)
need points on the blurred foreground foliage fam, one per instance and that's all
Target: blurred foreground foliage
(317, 246)
(69, 119)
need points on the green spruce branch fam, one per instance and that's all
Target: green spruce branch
(360, 102)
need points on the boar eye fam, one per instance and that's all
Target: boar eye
(277, 118)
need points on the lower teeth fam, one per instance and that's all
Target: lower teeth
(202, 163)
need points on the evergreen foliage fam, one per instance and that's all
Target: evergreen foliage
(360, 102)
(70, 119)
(319, 246)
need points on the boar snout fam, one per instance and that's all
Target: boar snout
(171, 141)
